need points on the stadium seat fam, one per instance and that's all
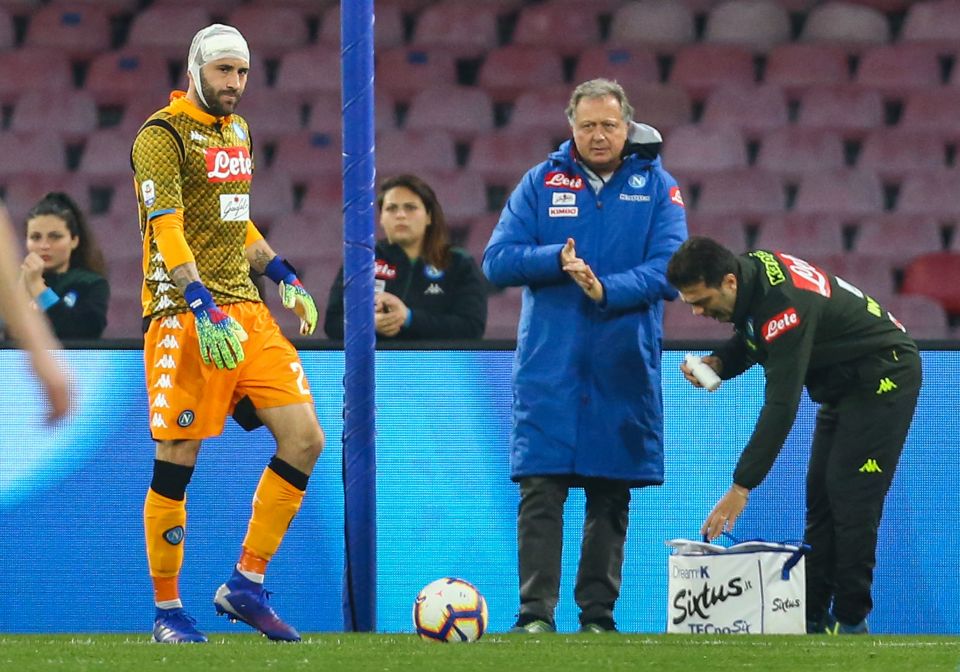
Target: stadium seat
(124, 316)
(467, 29)
(742, 193)
(508, 71)
(323, 198)
(893, 153)
(463, 111)
(539, 25)
(933, 193)
(756, 24)
(792, 151)
(871, 274)
(933, 22)
(7, 32)
(310, 71)
(811, 238)
(106, 153)
(462, 194)
(841, 193)
(695, 150)
(415, 152)
(326, 114)
(885, 6)
(271, 31)
(632, 68)
(752, 109)
(703, 67)
(270, 114)
(74, 115)
(218, 8)
(306, 155)
(897, 69)
(797, 67)
(116, 77)
(923, 316)
(22, 191)
(680, 324)
(651, 23)
(37, 69)
(933, 110)
(325, 233)
(137, 109)
(503, 314)
(898, 237)
(542, 110)
(271, 196)
(478, 234)
(36, 154)
(846, 24)
(387, 34)
(77, 30)
(167, 28)
(403, 72)
(113, 6)
(846, 109)
(502, 157)
(663, 107)
(728, 230)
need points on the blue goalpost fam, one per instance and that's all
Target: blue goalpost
(359, 419)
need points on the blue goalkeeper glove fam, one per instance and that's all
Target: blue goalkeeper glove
(292, 293)
(220, 335)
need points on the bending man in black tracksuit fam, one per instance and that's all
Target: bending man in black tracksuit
(806, 327)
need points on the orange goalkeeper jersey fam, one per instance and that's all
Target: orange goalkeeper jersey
(185, 160)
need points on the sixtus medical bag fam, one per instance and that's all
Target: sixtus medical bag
(749, 587)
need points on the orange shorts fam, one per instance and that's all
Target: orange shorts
(191, 400)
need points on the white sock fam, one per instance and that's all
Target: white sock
(170, 604)
(253, 576)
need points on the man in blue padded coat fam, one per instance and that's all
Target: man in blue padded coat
(587, 234)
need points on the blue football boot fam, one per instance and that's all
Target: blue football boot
(176, 626)
(241, 599)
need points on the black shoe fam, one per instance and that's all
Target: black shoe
(531, 625)
(598, 625)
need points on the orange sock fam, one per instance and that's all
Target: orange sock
(164, 524)
(275, 503)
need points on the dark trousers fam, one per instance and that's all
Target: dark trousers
(540, 544)
(856, 447)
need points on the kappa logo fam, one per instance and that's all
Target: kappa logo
(169, 341)
(886, 385)
(197, 136)
(433, 289)
(164, 382)
(558, 179)
(160, 401)
(228, 164)
(166, 362)
(165, 302)
(870, 467)
(171, 322)
(174, 536)
(157, 421)
(778, 324)
(158, 275)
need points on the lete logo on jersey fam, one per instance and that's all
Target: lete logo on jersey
(778, 324)
(228, 164)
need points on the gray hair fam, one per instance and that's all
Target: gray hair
(598, 88)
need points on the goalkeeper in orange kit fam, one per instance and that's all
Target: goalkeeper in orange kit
(210, 342)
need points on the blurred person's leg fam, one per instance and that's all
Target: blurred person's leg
(601, 554)
(540, 545)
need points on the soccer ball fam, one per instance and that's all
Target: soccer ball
(450, 610)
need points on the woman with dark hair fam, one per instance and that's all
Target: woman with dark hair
(425, 289)
(63, 272)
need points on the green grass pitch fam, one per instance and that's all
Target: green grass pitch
(525, 653)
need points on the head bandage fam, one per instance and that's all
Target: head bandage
(213, 43)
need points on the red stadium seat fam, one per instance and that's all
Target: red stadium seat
(106, 153)
(7, 33)
(703, 67)
(478, 234)
(933, 110)
(214, 7)
(922, 316)
(633, 68)
(463, 111)
(307, 155)
(270, 114)
(271, 196)
(728, 230)
(756, 24)
(117, 77)
(932, 194)
(271, 31)
(387, 34)
(462, 194)
(32, 154)
(743, 193)
(310, 71)
(325, 233)
(893, 153)
(663, 107)
(651, 23)
(37, 69)
(503, 314)
(124, 316)
(846, 24)
(466, 29)
(540, 25)
(168, 28)
(680, 324)
(74, 115)
(696, 150)
(509, 71)
(323, 197)
(812, 238)
(77, 30)
(898, 237)
(752, 109)
(798, 67)
(137, 110)
(847, 109)
(872, 275)
(792, 151)
(415, 152)
(326, 114)
(933, 22)
(897, 69)
(840, 193)
(502, 157)
(403, 72)
(542, 110)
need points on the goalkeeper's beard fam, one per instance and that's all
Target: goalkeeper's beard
(211, 98)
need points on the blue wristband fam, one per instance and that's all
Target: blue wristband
(406, 322)
(198, 297)
(46, 299)
(279, 270)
